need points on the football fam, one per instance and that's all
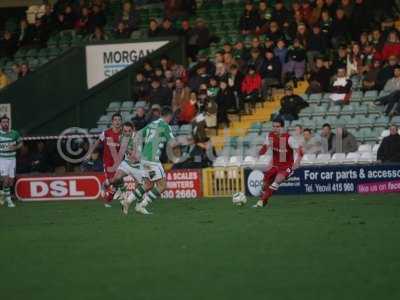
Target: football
(239, 199)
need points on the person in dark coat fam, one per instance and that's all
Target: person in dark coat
(158, 94)
(225, 101)
(249, 21)
(139, 120)
(319, 79)
(271, 71)
(389, 150)
(291, 105)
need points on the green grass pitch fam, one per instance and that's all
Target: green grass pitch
(303, 247)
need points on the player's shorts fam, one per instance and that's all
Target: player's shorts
(135, 170)
(7, 167)
(285, 170)
(154, 170)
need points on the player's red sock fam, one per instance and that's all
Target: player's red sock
(109, 195)
(266, 194)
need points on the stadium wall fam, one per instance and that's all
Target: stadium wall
(56, 96)
(220, 182)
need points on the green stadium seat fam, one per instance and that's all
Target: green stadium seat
(320, 110)
(319, 121)
(371, 95)
(307, 112)
(266, 127)
(113, 106)
(395, 120)
(255, 127)
(333, 120)
(334, 110)
(127, 106)
(381, 121)
(360, 109)
(374, 110)
(365, 121)
(356, 96)
(104, 120)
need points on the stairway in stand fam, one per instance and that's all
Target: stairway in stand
(260, 114)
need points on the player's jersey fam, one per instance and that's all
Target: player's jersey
(155, 136)
(111, 144)
(131, 147)
(8, 143)
(283, 147)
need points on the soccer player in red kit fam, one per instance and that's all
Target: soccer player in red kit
(110, 139)
(284, 149)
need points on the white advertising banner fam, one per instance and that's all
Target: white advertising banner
(103, 61)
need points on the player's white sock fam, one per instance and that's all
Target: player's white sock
(274, 186)
(137, 195)
(7, 195)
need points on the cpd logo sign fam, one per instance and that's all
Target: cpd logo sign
(255, 182)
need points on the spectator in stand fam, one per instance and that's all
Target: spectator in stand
(15, 73)
(392, 46)
(121, 32)
(185, 32)
(389, 150)
(370, 79)
(140, 87)
(25, 70)
(295, 65)
(8, 45)
(139, 120)
(24, 160)
(281, 51)
(40, 162)
(82, 23)
(280, 14)
(98, 35)
(392, 100)
(194, 156)
(360, 19)
(23, 33)
(311, 143)
(4, 81)
(251, 86)
(235, 78)
(316, 13)
(199, 77)
(93, 164)
(328, 139)
(188, 109)
(317, 45)
(319, 78)
(154, 114)
(129, 17)
(271, 71)
(225, 100)
(264, 13)
(256, 60)
(341, 87)
(326, 24)
(386, 72)
(291, 105)
(179, 94)
(97, 18)
(48, 19)
(40, 34)
(200, 37)
(340, 28)
(158, 94)
(249, 20)
(167, 29)
(69, 18)
(348, 142)
(154, 29)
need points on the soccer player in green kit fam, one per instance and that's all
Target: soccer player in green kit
(10, 141)
(152, 139)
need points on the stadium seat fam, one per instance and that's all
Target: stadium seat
(382, 121)
(315, 98)
(356, 96)
(104, 120)
(263, 161)
(95, 130)
(351, 158)
(365, 121)
(249, 161)
(367, 158)
(308, 159)
(364, 148)
(113, 107)
(235, 161)
(307, 112)
(320, 110)
(220, 161)
(374, 110)
(323, 159)
(255, 127)
(344, 121)
(371, 95)
(334, 110)
(347, 110)
(127, 106)
(337, 159)
(395, 120)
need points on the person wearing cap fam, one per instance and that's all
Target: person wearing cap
(291, 105)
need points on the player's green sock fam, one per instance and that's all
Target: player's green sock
(153, 194)
(137, 194)
(7, 195)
